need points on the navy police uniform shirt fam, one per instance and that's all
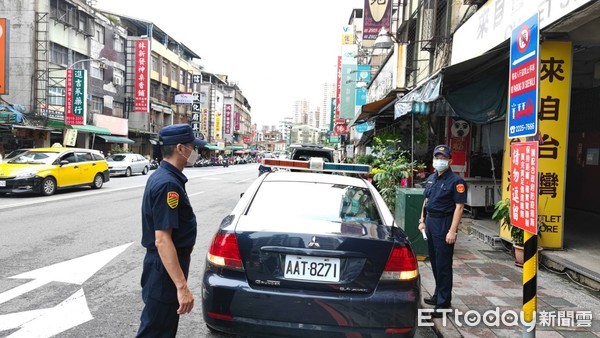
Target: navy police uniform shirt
(443, 192)
(165, 205)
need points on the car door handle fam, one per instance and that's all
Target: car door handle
(93, 164)
(76, 167)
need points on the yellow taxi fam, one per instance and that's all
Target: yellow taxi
(45, 170)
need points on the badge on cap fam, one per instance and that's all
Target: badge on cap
(172, 199)
(460, 188)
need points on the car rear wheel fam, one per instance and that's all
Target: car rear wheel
(48, 186)
(145, 171)
(128, 172)
(98, 182)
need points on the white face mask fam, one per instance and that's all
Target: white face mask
(191, 160)
(440, 164)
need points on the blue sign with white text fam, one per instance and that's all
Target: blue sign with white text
(523, 82)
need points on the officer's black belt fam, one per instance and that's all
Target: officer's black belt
(180, 251)
(439, 214)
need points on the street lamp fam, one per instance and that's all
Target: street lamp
(102, 59)
(384, 39)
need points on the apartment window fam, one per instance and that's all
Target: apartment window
(97, 104)
(82, 22)
(154, 90)
(56, 96)
(119, 44)
(118, 77)
(60, 55)
(100, 33)
(154, 61)
(118, 109)
(181, 77)
(173, 72)
(97, 70)
(164, 69)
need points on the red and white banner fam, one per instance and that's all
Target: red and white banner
(227, 119)
(69, 95)
(236, 121)
(142, 79)
(524, 185)
(338, 87)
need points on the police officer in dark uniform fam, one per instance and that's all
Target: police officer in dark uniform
(168, 234)
(445, 197)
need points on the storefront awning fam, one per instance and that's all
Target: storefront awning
(90, 129)
(116, 139)
(55, 124)
(374, 108)
(428, 91)
(212, 147)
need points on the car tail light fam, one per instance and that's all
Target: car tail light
(401, 265)
(224, 252)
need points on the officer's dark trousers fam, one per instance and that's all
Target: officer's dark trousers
(440, 254)
(159, 317)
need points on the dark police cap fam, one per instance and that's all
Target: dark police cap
(442, 149)
(179, 133)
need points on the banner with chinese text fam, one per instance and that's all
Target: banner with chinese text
(142, 81)
(227, 119)
(553, 125)
(523, 185)
(75, 100)
(377, 15)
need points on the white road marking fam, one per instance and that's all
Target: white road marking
(46, 323)
(74, 271)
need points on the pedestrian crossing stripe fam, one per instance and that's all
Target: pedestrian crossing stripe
(172, 199)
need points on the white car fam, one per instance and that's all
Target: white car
(127, 164)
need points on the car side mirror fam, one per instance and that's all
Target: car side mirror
(241, 195)
(63, 162)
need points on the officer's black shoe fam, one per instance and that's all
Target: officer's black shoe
(437, 313)
(430, 300)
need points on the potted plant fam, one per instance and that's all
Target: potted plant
(502, 215)
(392, 168)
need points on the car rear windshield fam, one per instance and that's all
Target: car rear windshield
(35, 157)
(117, 158)
(315, 201)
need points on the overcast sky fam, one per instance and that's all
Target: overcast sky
(278, 51)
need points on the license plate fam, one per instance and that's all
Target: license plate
(311, 268)
(2, 183)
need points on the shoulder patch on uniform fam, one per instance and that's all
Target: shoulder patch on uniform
(172, 199)
(460, 188)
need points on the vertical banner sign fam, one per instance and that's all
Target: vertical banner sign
(195, 120)
(377, 15)
(141, 92)
(237, 121)
(227, 119)
(76, 92)
(553, 118)
(348, 35)
(205, 120)
(333, 116)
(524, 185)
(555, 95)
(69, 97)
(348, 83)
(363, 76)
(523, 79)
(338, 88)
(217, 130)
(4, 43)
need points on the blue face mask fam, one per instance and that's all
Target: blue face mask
(440, 164)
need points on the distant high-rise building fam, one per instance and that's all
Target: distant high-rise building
(326, 112)
(301, 109)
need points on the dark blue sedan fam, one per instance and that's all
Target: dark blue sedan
(306, 254)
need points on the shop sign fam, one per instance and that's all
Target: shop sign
(75, 101)
(228, 119)
(142, 61)
(524, 185)
(4, 47)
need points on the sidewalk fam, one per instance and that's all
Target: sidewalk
(485, 278)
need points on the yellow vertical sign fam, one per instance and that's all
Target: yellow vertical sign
(217, 130)
(553, 126)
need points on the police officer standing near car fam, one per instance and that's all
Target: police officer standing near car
(445, 197)
(169, 235)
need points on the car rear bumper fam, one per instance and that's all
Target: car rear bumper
(115, 172)
(231, 305)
